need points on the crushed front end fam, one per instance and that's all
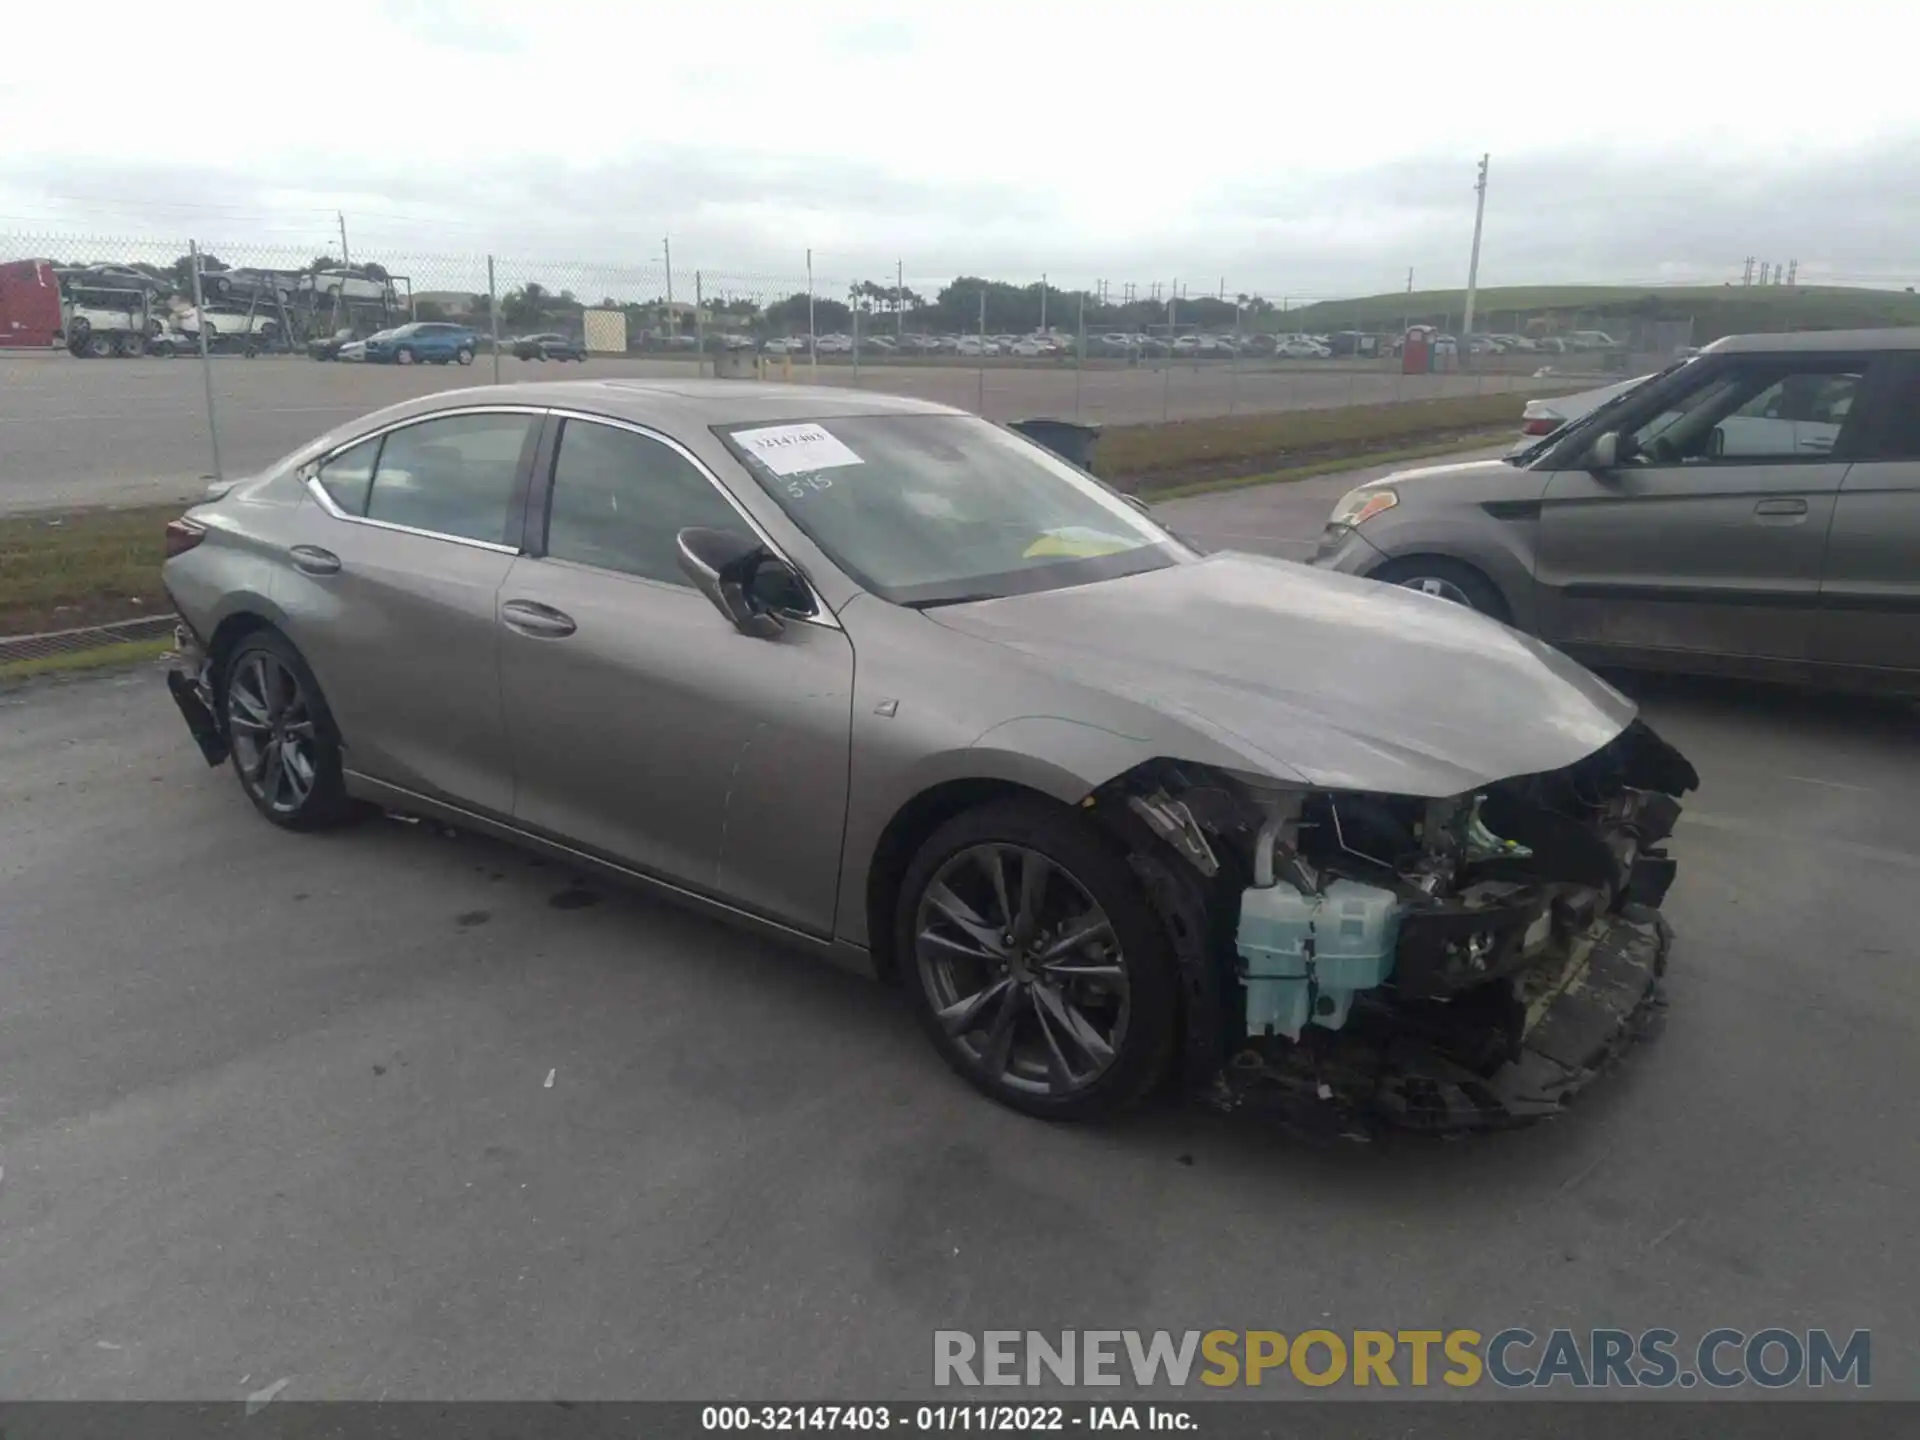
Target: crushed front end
(1360, 960)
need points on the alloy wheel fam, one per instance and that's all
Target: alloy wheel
(1023, 969)
(270, 719)
(1439, 588)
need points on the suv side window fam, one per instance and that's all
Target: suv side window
(1763, 409)
(349, 475)
(620, 501)
(453, 476)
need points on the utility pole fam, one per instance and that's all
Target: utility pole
(1793, 271)
(1764, 268)
(1043, 302)
(899, 299)
(1406, 310)
(666, 251)
(1746, 276)
(345, 258)
(1473, 263)
(813, 350)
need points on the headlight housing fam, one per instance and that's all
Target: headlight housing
(1358, 506)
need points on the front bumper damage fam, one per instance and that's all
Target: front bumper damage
(1581, 1017)
(1354, 963)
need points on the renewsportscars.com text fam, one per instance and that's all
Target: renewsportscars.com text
(1515, 1358)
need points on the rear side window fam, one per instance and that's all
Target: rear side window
(349, 475)
(620, 501)
(454, 476)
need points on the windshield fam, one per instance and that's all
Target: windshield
(939, 509)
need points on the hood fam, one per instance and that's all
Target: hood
(1432, 472)
(1316, 676)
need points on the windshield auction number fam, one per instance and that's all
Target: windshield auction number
(801, 486)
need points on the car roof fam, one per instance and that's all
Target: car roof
(667, 403)
(1817, 342)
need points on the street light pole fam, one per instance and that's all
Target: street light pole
(1473, 263)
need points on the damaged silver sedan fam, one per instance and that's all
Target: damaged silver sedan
(896, 685)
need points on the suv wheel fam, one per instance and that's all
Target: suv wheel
(1445, 580)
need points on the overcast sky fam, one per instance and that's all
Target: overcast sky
(1291, 150)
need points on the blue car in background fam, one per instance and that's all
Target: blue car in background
(422, 341)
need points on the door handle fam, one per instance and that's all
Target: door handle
(530, 617)
(312, 560)
(1781, 507)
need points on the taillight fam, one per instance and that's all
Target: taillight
(1540, 425)
(182, 535)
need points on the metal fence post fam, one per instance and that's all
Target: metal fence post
(980, 360)
(1233, 361)
(1080, 358)
(700, 328)
(853, 306)
(813, 348)
(493, 318)
(206, 360)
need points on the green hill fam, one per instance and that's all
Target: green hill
(1715, 310)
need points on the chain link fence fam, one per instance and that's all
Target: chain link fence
(1097, 350)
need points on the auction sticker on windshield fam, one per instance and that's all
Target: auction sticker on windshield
(794, 449)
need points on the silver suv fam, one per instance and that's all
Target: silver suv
(1752, 510)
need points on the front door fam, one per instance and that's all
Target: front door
(645, 727)
(1870, 588)
(1708, 536)
(393, 601)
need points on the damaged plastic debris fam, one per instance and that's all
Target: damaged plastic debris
(1173, 822)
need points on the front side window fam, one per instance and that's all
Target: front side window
(940, 509)
(620, 501)
(453, 476)
(1759, 411)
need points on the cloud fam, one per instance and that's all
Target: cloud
(1581, 213)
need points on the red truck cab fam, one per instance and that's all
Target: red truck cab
(30, 315)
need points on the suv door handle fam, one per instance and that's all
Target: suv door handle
(530, 617)
(1781, 507)
(312, 560)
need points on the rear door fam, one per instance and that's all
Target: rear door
(1709, 538)
(1870, 586)
(645, 727)
(393, 600)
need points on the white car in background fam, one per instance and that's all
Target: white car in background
(1542, 418)
(1302, 347)
(346, 285)
(224, 322)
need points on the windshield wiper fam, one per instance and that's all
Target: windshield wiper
(940, 600)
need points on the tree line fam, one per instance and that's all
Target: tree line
(961, 306)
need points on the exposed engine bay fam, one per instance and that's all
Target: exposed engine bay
(1442, 964)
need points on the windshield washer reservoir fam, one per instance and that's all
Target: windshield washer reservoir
(1303, 957)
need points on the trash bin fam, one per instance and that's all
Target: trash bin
(1068, 439)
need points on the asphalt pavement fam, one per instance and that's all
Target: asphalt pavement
(122, 432)
(384, 1113)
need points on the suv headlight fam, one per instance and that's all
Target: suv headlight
(1356, 507)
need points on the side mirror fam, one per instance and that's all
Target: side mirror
(736, 573)
(1608, 451)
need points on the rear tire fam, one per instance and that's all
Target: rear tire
(463, 356)
(1447, 580)
(100, 345)
(286, 748)
(1077, 1034)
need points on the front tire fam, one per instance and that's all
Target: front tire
(1035, 963)
(286, 748)
(403, 356)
